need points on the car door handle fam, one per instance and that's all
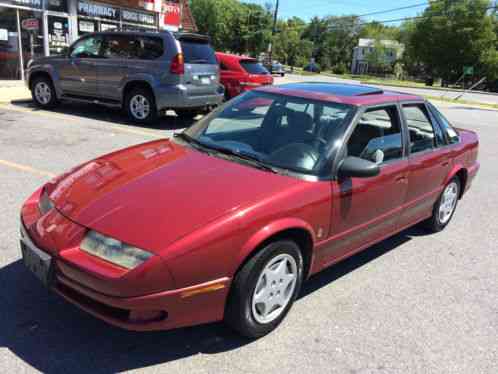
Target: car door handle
(401, 179)
(444, 164)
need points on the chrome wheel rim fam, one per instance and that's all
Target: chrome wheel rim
(274, 288)
(448, 202)
(139, 107)
(43, 93)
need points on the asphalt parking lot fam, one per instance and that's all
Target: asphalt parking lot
(415, 303)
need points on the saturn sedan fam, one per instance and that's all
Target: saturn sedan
(227, 219)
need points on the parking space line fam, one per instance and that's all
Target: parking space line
(26, 168)
(71, 117)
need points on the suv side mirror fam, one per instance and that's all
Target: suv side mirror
(358, 168)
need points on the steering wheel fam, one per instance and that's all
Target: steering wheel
(300, 155)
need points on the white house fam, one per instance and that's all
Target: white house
(360, 65)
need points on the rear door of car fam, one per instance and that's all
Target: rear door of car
(429, 160)
(113, 67)
(201, 75)
(365, 210)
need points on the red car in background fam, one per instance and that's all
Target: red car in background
(239, 74)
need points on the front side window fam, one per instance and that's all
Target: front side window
(280, 131)
(119, 46)
(377, 136)
(421, 132)
(87, 48)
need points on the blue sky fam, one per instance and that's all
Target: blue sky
(306, 9)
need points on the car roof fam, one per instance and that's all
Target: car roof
(233, 57)
(353, 94)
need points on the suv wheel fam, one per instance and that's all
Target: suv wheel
(141, 106)
(265, 289)
(43, 93)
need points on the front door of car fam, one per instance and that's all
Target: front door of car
(429, 161)
(365, 210)
(78, 75)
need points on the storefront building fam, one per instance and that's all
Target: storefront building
(34, 28)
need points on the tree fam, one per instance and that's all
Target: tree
(453, 34)
(289, 48)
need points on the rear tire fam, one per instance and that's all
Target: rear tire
(264, 289)
(445, 207)
(43, 93)
(140, 106)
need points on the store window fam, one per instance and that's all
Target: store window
(58, 34)
(57, 6)
(31, 34)
(9, 44)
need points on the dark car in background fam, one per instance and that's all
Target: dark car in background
(239, 74)
(142, 72)
(276, 68)
(312, 68)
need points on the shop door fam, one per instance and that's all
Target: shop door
(9, 45)
(58, 34)
(31, 34)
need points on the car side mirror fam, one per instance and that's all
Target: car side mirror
(355, 167)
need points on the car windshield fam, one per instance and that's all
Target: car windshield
(279, 131)
(253, 67)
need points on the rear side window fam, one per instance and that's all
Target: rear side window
(420, 128)
(195, 52)
(133, 47)
(377, 136)
(253, 67)
(451, 134)
(118, 46)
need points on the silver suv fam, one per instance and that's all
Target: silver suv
(144, 73)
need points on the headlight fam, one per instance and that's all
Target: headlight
(45, 204)
(113, 250)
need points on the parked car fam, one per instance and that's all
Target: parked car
(312, 68)
(144, 73)
(276, 68)
(227, 219)
(239, 74)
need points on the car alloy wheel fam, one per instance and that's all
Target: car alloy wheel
(140, 107)
(43, 93)
(448, 202)
(274, 288)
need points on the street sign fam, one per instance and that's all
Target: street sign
(468, 70)
(30, 24)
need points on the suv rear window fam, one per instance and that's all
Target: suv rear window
(195, 52)
(253, 67)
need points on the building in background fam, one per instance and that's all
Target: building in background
(372, 56)
(32, 28)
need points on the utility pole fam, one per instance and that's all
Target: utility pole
(273, 31)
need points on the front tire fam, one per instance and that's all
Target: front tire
(43, 93)
(141, 106)
(445, 206)
(264, 289)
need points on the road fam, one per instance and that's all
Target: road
(415, 303)
(450, 94)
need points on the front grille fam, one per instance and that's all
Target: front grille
(96, 306)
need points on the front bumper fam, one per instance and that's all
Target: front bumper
(194, 305)
(181, 97)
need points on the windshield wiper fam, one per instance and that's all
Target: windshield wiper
(253, 159)
(192, 141)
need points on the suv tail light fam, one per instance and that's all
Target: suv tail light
(178, 65)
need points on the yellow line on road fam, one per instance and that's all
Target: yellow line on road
(26, 168)
(64, 116)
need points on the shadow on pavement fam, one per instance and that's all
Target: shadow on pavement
(104, 114)
(52, 335)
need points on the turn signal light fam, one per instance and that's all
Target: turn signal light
(178, 65)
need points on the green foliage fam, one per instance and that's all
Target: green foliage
(451, 35)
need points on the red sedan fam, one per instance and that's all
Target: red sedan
(227, 219)
(239, 74)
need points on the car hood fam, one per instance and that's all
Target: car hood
(155, 193)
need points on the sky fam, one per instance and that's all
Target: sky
(306, 9)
